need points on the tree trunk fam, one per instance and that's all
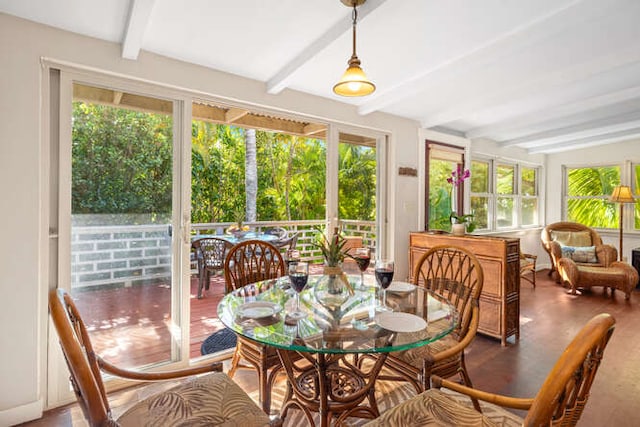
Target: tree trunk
(287, 187)
(250, 174)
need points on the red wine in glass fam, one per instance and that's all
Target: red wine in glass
(384, 277)
(362, 256)
(298, 275)
(298, 281)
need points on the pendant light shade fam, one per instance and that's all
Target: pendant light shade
(354, 81)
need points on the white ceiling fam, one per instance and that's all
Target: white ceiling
(545, 75)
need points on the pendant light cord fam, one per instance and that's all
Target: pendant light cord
(354, 17)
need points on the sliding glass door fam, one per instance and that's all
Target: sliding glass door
(119, 251)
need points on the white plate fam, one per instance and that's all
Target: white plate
(258, 309)
(400, 322)
(401, 287)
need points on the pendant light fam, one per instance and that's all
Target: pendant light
(354, 81)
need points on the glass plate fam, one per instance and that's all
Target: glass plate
(258, 309)
(400, 322)
(401, 287)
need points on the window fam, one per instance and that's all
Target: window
(506, 192)
(480, 192)
(587, 191)
(636, 193)
(529, 196)
(504, 195)
(442, 199)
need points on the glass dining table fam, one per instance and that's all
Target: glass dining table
(322, 352)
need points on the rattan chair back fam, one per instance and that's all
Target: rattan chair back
(564, 394)
(81, 359)
(250, 262)
(454, 274)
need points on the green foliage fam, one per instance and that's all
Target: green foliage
(122, 164)
(331, 247)
(588, 190)
(440, 203)
(357, 182)
(112, 169)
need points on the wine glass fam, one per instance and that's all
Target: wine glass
(298, 274)
(292, 256)
(384, 276)
(362, 257)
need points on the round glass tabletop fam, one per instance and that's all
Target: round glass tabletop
(259, 312)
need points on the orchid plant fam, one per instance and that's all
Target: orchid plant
(456, 180)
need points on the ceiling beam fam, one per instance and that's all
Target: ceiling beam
(314, 128)
(593, 141)
(117, 96)
(281, 79)
(478, 57)
(139, 18)
(583, 130)
(233, 114)
(550, 114)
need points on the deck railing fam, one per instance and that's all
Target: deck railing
(118, 255)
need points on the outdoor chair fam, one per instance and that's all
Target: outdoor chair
(250, 262)
(454, 274)
(210, 252)
(208, 399)
(528, 267)
(289, 242)
(279, 232)
(559, 402)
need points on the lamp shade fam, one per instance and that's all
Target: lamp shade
(622, 194)
(354, 82)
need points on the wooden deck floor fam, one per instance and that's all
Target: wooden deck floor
(549, 319)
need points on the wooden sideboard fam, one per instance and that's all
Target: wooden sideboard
(500, 261)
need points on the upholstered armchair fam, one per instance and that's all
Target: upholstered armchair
(579, 242)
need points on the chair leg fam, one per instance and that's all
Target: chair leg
(235, 361)
(467, 381)
(264, 394)
(201, 279)
(533, 272)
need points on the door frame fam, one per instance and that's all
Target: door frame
(58, 80)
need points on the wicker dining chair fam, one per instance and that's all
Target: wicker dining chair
(210, 252)
(560, 400)
(454, 274)
(199, 400)
(250, 262)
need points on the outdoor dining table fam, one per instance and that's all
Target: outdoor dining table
(235, 239)
(335, 382)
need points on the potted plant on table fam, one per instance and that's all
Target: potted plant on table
(333, 288)
(460, 223)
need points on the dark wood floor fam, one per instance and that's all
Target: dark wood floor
(550, 317)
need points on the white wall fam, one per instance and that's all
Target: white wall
(23, 251)
(621, 154)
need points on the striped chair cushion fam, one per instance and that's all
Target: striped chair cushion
(415, 356)
(213, 399)
(437, 409)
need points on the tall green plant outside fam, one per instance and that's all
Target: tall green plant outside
(122, 162)
(123, 165)
(588, 193)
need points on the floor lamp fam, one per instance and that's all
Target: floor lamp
(621, 194)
